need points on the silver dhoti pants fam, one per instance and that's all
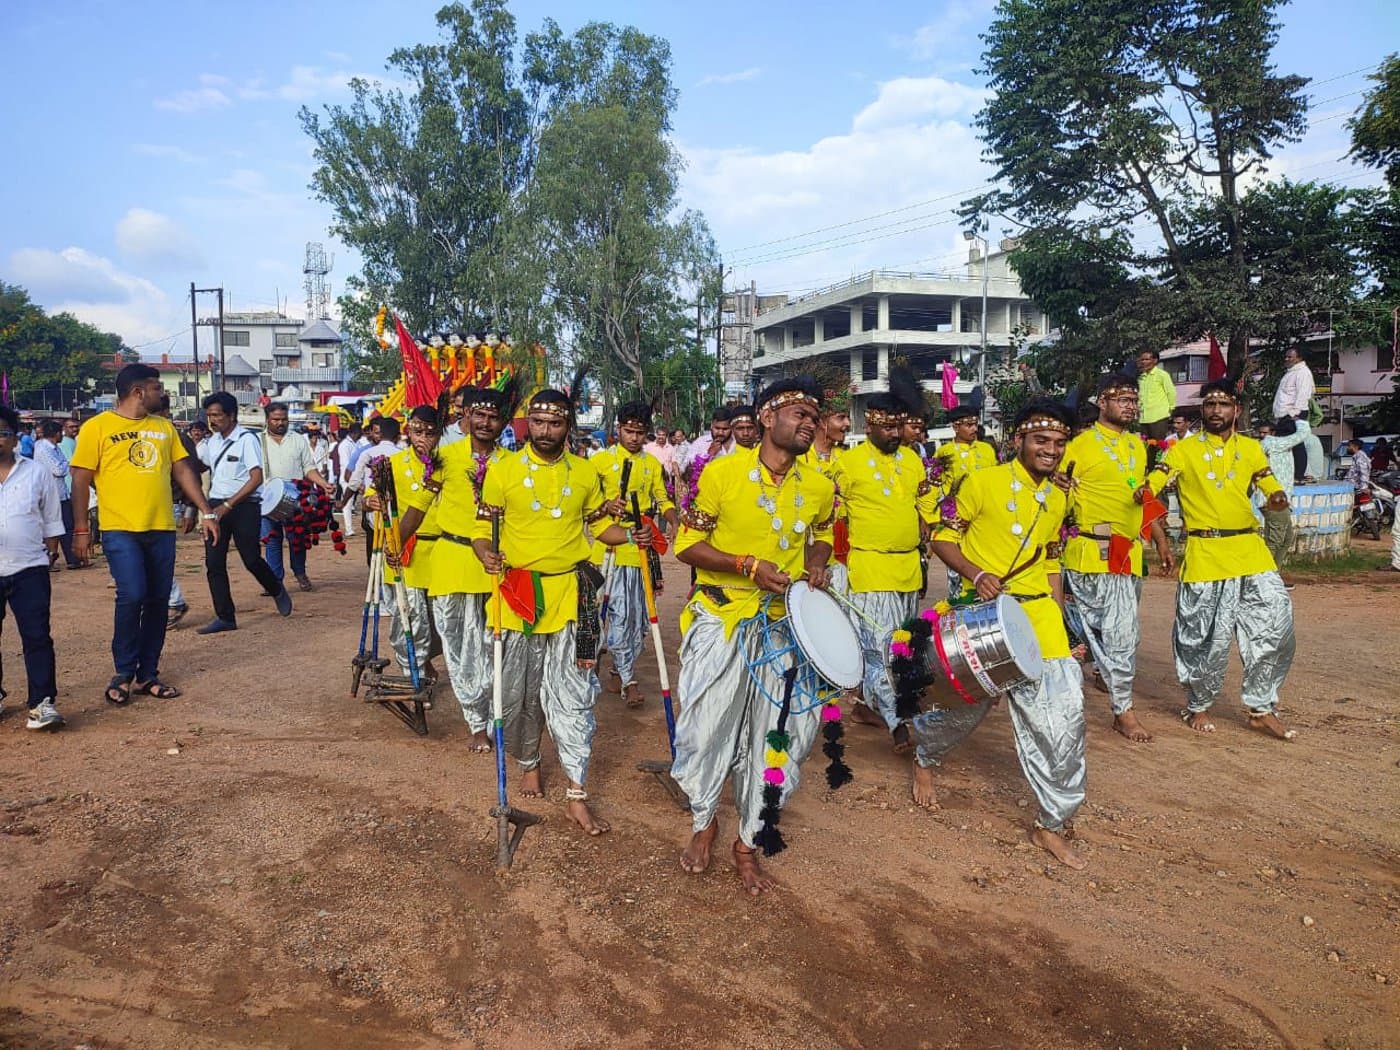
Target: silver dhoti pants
(1108, 611)
(940, 729)
(881, 614)
(543, 686)
(421, 618)
(466, 647)
(724, 722)
(955, 584)
(1047, 719)
(1254, 609)
(627, 621)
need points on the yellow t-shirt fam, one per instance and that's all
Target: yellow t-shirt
(882, 506)
(408, 488)
(547, 509)
(1108, 469)
(959, 460)
(645, 479)
(1213, 480)
(455, 568)
(130, 460)
(827, 464)
(727, 514)
(986, 531)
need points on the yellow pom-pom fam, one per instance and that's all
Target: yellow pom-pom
(902, 636)
(773, 758)
(942, 607)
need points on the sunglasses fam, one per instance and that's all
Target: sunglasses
(4, 433)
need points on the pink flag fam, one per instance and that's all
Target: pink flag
(949, 398)
(5, 389)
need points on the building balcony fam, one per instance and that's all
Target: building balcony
(308, 375)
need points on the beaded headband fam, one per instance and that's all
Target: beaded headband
(557, 409)
(790, 397)
(882, 418)
(747, 413)
(1116, 389)
(1219, 396)
(1042, 423)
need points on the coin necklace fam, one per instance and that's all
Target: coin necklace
(1040, 494)
(887, 481)
(560, 493)
(1114, 452)
(1212, 454)
(770, 505)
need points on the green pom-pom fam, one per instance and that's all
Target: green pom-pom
(778, 741)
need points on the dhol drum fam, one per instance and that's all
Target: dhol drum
(987, 649)
(815, 636)
(280, 499)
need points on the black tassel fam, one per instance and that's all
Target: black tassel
(769, 838)
(838, 774)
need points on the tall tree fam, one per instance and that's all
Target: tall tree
(56, 361)
(1106, 114)
(1375, 127)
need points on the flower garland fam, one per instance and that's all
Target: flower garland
(483, 460)
(697, 465)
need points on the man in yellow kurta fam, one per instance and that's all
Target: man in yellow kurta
(413, 471)
(1005, 516)
(1103, 560)
(546, 500)
(959, 458)
(458, 584)
(879, 483)
(760, 520)
(643, 475)
(825, 456)
(1229, 582)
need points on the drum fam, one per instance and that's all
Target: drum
(815, 637)
(279, 499)
(986, 648)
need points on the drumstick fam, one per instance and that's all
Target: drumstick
(609, 561)
(1011, 574)
(650, 593)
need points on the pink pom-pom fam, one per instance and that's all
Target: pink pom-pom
(831, 713)
(773, 776)
(901, 649)
(930, 615)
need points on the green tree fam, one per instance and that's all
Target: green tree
(1375, 127)
(55, 361)
(1106, 115)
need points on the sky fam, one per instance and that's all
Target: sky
(154, 144)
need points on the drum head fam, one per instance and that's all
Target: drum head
(825, 635)
(271, 496)
(1020, 637)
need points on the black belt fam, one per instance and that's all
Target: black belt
(1029, 597)
(452, 537)
(422, 538)
(1216, 534)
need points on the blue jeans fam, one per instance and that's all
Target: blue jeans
(273, 533)
(143, 566)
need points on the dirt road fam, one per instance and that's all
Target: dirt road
(304, 872)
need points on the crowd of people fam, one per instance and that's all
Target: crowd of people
(558, 546)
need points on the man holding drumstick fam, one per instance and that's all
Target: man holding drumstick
(760, 519)
(1002, 536)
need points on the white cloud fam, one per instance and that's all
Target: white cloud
(96, 290)
(301, 84)
(752, 73)
(950, 38)
(911, 151)
(192, 100)
(156, 240)
(175, 153)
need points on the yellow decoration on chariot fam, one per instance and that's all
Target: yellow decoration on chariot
(774, 759)
(902, 636)
(942, 607)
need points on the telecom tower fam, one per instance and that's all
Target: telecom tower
(318, 289)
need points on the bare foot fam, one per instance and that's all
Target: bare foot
(903, 743)
(924, 794)
(632, 695)
(1270, 724)
(698, 852)
(866, 717)
(1200, 721)
(1096, 680)
(1059, 848)
(755, 879)
(578, 809)
(1127, 723)
(481, 742)
(531, 785)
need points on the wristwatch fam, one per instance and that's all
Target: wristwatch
(211, 516)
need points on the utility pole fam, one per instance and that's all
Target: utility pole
(194, 337)
(222, 381)
(976, 237)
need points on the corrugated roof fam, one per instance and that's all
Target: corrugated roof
(235, 365)
(318, 332)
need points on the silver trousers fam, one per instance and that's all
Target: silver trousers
(881, 614)
(940, 729)
(1257, 611)
(627, 621)
(723, 725)
(421, 618)
(1108, 612)
(1047, 719)
(466, 648)
(543, 686)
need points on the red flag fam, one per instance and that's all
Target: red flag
(1216, 369)
(421, 384)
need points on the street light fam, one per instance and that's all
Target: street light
(973, 236)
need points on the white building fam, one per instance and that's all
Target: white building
(927, 318)
(295, 361)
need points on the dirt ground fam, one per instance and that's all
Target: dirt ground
(268, 863)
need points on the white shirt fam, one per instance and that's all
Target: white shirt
(289, 458)
(1294, 391)
(368, 456)
(51, 457)
(451, 434)
(344, 450)
(29, 513)
(228, 471)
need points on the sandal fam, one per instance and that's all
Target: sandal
(120, 686)
(632, 695)
(158, 689)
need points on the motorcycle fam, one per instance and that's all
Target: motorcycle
(1366, 513)
(1384, 490)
